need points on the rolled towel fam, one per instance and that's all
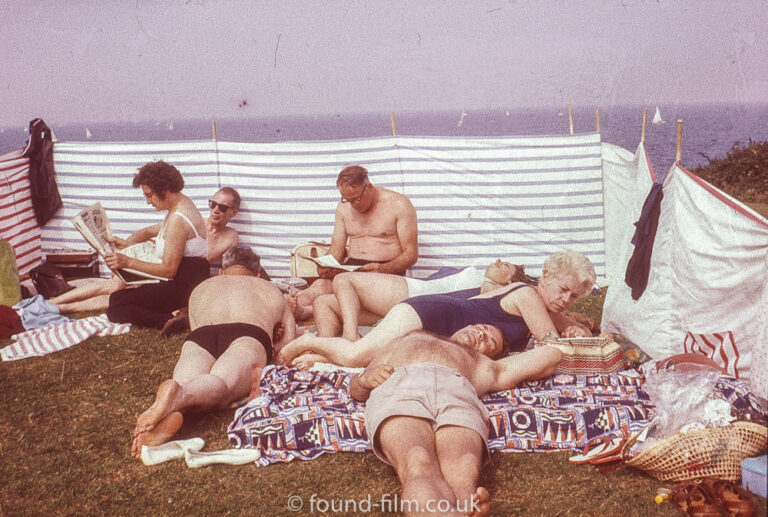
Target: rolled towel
(152, 455)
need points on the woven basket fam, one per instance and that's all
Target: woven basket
(715, 453)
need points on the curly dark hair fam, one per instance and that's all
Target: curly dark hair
(160, 176)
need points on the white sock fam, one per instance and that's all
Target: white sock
(152, 455)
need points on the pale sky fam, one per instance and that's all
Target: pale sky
(109, 60)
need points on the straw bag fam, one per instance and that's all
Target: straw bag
(715, 453)
(587, 355)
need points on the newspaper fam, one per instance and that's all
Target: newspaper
(330, 262)
(93, 224)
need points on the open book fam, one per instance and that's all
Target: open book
(93, 223)
(331, 262)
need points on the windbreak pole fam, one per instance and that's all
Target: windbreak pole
(597, 119)
(570, 117)
(645, 119)
(392, 118)
(216, 148)
(678, 152)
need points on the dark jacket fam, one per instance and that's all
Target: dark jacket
(42, 175)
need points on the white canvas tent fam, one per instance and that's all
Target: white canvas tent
(707, 291)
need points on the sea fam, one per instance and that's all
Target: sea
(708, 130)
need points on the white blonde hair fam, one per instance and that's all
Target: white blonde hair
(573, 263)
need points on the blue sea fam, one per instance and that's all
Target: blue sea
(708, 131)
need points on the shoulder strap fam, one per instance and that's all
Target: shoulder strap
(188, 222)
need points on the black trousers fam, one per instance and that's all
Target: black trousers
(151, 305)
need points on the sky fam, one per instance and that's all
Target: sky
(136, 60)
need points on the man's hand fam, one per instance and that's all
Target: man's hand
(278, 331)
(371, 267)
(327, 273)
(375, 376)
(361, 385)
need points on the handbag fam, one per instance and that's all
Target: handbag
(587, 355)
(49, 281)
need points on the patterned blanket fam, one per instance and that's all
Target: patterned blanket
(302, 414)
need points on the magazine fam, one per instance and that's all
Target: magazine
(93, 224)
(331, 262)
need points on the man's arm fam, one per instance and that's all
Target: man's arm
(568, 327)
(532, 364)
(407, 235)
(338, 245)
(289, 329)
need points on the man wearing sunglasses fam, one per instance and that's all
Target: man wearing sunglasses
(224, 206)
(374, 227)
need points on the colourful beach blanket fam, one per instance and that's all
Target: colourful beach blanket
(302, 414)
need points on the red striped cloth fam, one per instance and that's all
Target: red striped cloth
(17, 217)
(53, 338)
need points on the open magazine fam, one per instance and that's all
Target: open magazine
(93, 224)
(331, 262)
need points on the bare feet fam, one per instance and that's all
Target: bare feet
(160, 433)
(294, 348)
(483, 500)
(308, 360)
(160, 408)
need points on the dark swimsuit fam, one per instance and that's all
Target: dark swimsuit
(217, 338)
(444, 314)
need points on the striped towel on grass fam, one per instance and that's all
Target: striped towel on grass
(52, 338)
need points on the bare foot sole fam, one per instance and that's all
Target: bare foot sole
(294, 348)
(307, 361)
(159, 409)
(160, 433)
(483, 502)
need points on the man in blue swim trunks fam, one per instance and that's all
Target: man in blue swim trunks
(235, 319)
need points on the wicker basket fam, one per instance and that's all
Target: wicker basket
(715, 453)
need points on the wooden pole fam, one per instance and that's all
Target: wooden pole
(392, 118)
(678, 153)
(597, 117)
(213, 122)
(570, 117)
(645, 119)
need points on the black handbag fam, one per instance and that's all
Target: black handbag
(49, 281)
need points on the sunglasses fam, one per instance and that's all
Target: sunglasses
(356, 199)
(222, 208)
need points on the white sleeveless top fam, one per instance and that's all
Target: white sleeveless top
(195, 247)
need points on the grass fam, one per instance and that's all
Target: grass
(65, 429)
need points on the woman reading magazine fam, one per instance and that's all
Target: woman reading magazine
(180, 243)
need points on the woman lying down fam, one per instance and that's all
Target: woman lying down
(505, 316)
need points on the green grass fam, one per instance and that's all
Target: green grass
(65, 433)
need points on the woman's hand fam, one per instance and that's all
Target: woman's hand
(117, 260)
(118, 242)
(577, 331)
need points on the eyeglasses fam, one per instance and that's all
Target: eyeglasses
(222, 208)
(356, 199)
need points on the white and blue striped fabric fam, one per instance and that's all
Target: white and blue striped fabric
(477, 199)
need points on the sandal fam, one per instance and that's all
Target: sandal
(602, 447)
(734, 500)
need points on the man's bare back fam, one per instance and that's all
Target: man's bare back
(236, 299)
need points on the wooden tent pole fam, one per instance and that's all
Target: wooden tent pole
(392, 118)
(597, 118)
(645, 119)
(213, 122)
(570, 117)
(678, 153)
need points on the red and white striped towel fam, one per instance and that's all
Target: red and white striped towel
(52, 338)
